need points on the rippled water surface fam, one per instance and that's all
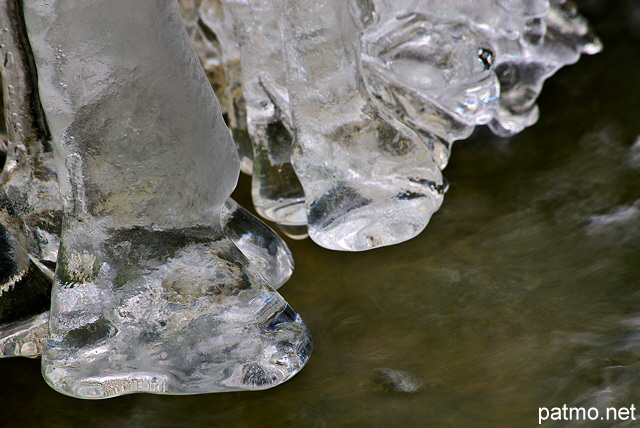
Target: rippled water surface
(522, 292)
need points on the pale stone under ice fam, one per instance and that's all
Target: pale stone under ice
(24, 338)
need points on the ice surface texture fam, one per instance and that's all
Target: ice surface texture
(24, 321)
(376, 93)
(31, 209)
(149, 294)
(368, 181)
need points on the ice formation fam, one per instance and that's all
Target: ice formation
(376, 92)
(32, 210)
(343, 112)
(30, 214)
(24, 315)
(255, 97)
(277, 193)
(149, 294)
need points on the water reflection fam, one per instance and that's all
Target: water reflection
(521, 293)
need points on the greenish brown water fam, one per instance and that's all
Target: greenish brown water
(524, 290)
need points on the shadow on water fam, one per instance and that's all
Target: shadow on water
(521, 293)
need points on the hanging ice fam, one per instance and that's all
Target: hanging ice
(547, 42)
(368, 179)
(277, 193)
(149, 294)
(428, 72)
(377, 91)
(430, 69)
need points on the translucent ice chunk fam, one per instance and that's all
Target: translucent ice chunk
(434, 69)
(268, 253)
(23, 334)
(369, 180)
(276, 190)
(435, 74)
(294, 232)
(549, 42)
(149, 295)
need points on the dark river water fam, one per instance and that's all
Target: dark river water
(523, 292)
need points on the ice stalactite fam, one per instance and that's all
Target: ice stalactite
(376, 93)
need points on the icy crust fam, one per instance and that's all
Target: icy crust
(429, 71)
(149, 293)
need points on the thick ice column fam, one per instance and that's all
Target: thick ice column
(149, 295)
(26, 276)
(369, 180)
(276, 190)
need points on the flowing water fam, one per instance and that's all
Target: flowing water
(523, 292)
